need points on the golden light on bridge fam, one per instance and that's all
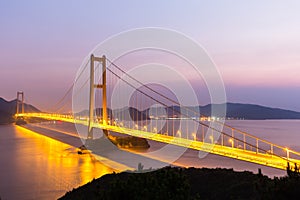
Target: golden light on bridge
(178, 133)
(211, 138)
(194, 136)
(287, 153)
(263, 158)
(231, 141)
(145, 128)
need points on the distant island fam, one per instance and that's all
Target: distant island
(234, 111)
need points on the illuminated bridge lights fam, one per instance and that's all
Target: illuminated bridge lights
(268, 158)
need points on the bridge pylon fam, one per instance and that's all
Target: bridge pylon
(94, 86)
(20, 102)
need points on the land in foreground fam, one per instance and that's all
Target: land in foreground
(188, 183)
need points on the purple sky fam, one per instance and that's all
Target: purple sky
(256, 46)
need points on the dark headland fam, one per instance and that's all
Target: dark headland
(8, 110)
(188, 183)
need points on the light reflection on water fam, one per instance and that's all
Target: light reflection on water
(33, 166)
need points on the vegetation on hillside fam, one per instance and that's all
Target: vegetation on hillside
(188, 183)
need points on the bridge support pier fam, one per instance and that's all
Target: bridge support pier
(94, 86)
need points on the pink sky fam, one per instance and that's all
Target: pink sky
(256, 46)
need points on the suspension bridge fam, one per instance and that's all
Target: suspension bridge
(177, 125)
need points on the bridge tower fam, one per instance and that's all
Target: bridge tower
(20, 102)
(94, 86)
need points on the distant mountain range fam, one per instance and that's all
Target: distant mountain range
(234, 111)
(252, 111)
(8, 110)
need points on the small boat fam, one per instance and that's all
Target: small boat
(83, 150)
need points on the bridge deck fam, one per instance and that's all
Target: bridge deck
(266, 159)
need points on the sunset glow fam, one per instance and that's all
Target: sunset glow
(255, 45)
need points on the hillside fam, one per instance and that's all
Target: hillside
(8, 109)
(234, 110)
(252, 111)
(188, 183)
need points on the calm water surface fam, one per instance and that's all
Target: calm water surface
(33, 166)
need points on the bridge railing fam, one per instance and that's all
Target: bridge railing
(241, 139)
(229, 136)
